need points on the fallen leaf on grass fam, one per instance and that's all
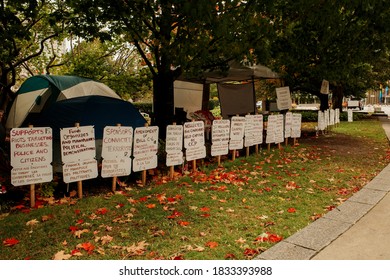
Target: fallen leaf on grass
(61, 256)
(78, 233)
(32, 222)
(101, 211)
(291, 210)
(87, 246)
(212, 244)
(183, 223)
(47, 217)
(9, 242)
(240, 240)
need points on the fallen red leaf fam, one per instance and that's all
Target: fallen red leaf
(212, 244)
(79, 222)
(151, 206)
(183, 223)
(73, 228)
(77, 211)
(291, 210)
(88, 247)
(175, 214)
(10, 242)
(251, 252)
(101, 211)
(205, 209)
(205, 215)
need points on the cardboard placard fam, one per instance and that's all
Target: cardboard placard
(77, 143)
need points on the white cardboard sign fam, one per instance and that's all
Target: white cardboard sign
(117, 141)
(174, 158)
(283, 98)
(194, 134)
(31, 146)
(148, 161)
(174, 139)
(116, 167)
(31, 155)
(80, 170)
(77, 143)
(145, 141)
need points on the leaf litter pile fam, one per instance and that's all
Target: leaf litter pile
(235, 211)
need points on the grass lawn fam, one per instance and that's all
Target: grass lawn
(231, 212)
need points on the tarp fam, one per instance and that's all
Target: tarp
(99, 111)
(239, 72)
(236, 99)
(38, 92)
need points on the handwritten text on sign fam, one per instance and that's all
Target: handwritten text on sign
(145, 141)
(117, 141)
(77, 143)
(112, 167)
(174, 139)
(31, 155)
(31, 146)
(80, 170)
(194, 134)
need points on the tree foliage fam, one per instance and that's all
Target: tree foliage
(26, 26)
(341, 41)
(173, 37)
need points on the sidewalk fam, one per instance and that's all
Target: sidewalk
(359, 229)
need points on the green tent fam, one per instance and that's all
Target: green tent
(38, 92)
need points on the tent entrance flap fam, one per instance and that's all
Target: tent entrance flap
(236, 99)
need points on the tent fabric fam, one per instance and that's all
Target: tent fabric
(236, 99)
(239, 72)
(99, 111)
(40, 91)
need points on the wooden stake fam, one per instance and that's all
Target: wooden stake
(269, 147)
(113, 184)
(219, 160)
(32, 189)
(79, 183)
(144, 171)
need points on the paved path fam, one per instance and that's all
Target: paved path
(358, 229)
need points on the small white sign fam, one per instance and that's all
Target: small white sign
(279, 129)
(296, 126)
(350, 115)
(195, 153)
(31, 154)
(116, 167)
(287, 125)
(80, 170)
(145, 141)
(283, 98)
(174, 139)
(31, 174)
(219, 149)
(253, 130)
(324, 87)
(77, 143)
(174, 159)
(144, 162)
(271, 127)
(237, 128)
(31, 146)
(236, 144)
(220, 131)
(194, 134)
(117, 141)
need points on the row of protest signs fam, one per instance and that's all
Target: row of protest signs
(125, 149)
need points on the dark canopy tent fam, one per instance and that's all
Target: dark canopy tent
(238, 98)
(99, 111)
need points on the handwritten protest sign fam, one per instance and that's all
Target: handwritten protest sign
(253, 130)
(31, 155)
(174, 145)
(237, 130)
(283, 98)
(296, 126)
(287, 125)
(145, 148)
(116, 151)
(77, 143)
(78, 153)
(220, 134)
(194, 140)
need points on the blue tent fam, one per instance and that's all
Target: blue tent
(99, 111)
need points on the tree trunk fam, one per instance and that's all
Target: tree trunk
(337, 98)
(324, 101)
(163, 102)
